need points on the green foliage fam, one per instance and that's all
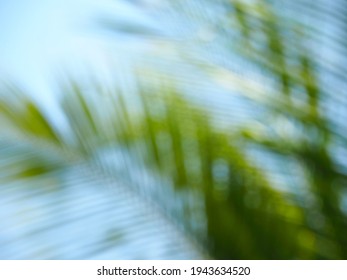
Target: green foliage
(246, 215)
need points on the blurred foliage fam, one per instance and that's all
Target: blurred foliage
(212, 170)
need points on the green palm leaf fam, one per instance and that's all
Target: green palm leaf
(268, 185)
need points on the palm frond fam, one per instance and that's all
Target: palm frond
(268, 186)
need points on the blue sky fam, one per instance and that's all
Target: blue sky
(40, 38)
(42, 41)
